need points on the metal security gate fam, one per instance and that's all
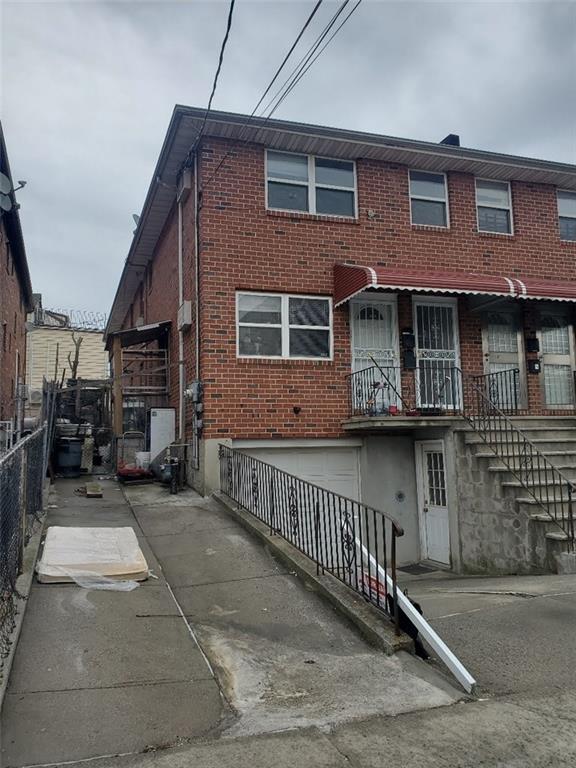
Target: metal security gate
(374, 330)
(557, 348)
(503, 347)
(437, 353)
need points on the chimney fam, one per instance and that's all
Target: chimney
(453, 140)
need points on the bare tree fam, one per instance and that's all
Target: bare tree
(74, 363)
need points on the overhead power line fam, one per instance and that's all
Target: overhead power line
(308, 59)
(296, 75)
(218, 68)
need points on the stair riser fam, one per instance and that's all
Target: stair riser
(543, 447)
(544, 436)
(541, 479)
(563, 461)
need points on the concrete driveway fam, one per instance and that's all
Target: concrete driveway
(516, 634)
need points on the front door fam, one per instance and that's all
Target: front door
(437, 354)
(432, 502)
(374, 330)
(557, 349)
(502, 342)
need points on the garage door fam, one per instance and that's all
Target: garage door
(335, 469)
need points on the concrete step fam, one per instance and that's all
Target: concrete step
(549, 445)
(534, 435)
(557, 536)
(557, 458)
(567, 468)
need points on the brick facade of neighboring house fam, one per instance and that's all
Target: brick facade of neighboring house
(15, 302)
(279, 407)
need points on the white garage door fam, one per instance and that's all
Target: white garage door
(335, 469)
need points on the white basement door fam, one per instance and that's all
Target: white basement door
(335, 469)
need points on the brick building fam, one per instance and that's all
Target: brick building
(344, 299)
(15, 299)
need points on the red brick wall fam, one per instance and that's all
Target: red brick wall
(243, 246)
(12, 329)
(246, 247)
(158, 295)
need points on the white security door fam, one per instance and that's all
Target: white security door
(374, 330)
(503, 352)
(433, 507)
(556, 345)
(437, 354)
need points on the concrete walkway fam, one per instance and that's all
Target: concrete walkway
(223, 644)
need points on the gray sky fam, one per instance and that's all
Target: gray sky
(87, 89)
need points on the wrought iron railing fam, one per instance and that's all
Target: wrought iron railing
(426, 391)
(385, 391)
(353, 542)
(547, 486)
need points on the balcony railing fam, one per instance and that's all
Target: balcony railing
(426, 391)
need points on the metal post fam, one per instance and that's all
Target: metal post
(571, 516)
(394, 583)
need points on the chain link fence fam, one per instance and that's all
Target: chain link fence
(22, 472)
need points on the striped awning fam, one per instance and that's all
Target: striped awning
(352, 279)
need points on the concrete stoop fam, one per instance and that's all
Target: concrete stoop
(545, 546)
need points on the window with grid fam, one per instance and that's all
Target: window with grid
(494, 206)
(311, 184)
(428, 199)
(567, 214)
(273, 325)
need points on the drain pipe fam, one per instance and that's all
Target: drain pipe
(180, 331)
(196, 267)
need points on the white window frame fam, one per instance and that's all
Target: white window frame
(510, 207)
(285, 326)
(568, 192)
(429, 199)
(311, 185)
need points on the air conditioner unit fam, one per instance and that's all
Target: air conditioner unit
(35, 397)
(185, 316)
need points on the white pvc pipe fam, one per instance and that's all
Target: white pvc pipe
(432, 638)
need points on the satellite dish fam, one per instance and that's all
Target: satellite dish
(5, 202)
(5, 184)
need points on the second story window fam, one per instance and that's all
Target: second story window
(311, 184)
(428, 199)
(567, 214)
(494, 206)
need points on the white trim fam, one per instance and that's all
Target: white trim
(285, 326)
(420, 446)
(311, 185)
(496, 207)
(564, 216)
(430, 199)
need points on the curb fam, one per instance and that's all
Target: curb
(367, 619)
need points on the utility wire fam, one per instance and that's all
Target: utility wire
(218, 68)
(301, 68)
(305, 65)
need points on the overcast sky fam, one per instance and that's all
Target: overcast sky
(87, 90)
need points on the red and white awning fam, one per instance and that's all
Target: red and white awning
(352, 279)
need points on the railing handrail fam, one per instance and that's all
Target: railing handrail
(399, 529)
(547, 504)
(514, 428)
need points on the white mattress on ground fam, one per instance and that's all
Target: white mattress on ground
(76, 554)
